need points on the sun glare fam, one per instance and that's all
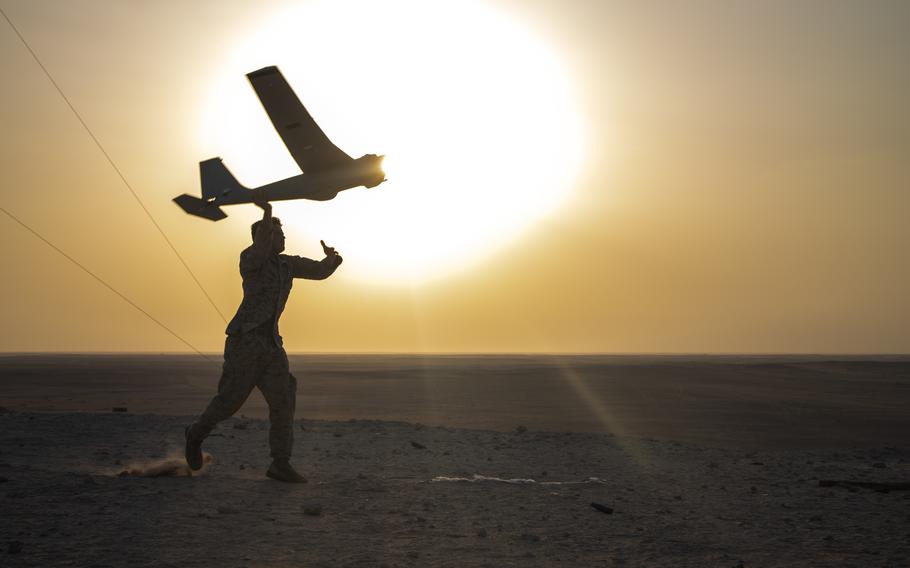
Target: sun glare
(476, 118)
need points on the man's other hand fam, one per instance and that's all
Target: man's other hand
(261, 200)
(330, 252)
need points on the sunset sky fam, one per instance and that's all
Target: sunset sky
(586, 177)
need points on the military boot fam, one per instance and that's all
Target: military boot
(281, 470)
(193, 451)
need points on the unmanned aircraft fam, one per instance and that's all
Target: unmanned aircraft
(326, 169)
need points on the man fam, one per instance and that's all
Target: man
(253, 352)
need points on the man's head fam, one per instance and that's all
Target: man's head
(277, 233)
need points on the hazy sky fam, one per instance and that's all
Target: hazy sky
(745, 184)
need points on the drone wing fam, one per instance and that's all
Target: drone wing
(307, 143)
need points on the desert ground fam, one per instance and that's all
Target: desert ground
(463, 461)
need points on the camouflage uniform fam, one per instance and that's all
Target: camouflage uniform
(253, 352)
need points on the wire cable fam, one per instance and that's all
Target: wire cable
(106, 285)
(111, 162)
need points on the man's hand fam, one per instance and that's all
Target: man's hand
(262, 201)
(262, 240)
(331, 253)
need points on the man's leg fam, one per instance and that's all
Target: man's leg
(279, 387)
(243, 360)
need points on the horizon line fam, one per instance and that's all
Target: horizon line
(499, 353)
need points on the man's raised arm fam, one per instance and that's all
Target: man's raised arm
(262, 239)
(310, 269)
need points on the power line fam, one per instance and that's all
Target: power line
(105, 284)
(111, 162)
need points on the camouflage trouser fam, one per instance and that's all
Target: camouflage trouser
(253, 360)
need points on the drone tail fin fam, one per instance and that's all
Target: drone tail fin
(217, 181)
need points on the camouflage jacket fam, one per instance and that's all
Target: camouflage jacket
(267, 282)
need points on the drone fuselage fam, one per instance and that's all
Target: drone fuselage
(319, 186)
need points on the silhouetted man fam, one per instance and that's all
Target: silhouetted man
(253, 352)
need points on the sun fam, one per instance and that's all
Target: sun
(476, 117)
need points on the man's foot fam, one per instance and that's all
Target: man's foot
(281, 470)
(193, 451)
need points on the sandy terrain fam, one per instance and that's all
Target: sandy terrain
(737, 402)
(713, 488)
